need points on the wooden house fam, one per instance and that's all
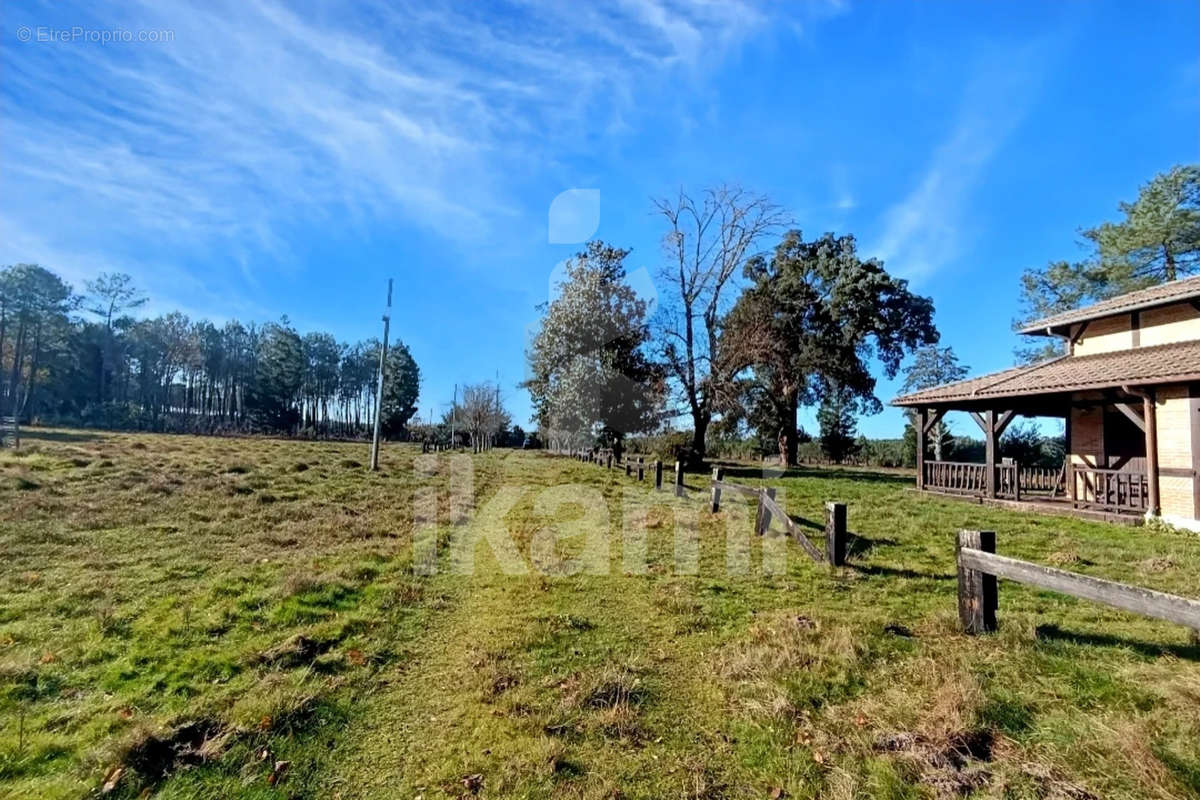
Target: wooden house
(1128, 389)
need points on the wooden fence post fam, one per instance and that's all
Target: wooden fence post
(762, 520)
(835, 534)
(658, 475)
(679, 479)
(641, 468)
(610, 459)
(717, 475)
(628, 467)
(976, 590)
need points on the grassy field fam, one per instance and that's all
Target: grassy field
(197, 617)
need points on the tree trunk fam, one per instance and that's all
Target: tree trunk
(700, 422)
(788, 443)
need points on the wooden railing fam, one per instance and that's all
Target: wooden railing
(956, 476)
(1043, 479)
(1110, 489)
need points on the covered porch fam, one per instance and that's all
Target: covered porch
(1108, 466)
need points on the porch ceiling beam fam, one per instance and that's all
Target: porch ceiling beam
(998, 424)
(1134, 417)
(1003, 420)
(934, 419)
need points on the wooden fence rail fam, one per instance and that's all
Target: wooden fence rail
(769, 510)
(979, 567)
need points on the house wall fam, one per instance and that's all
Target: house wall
(1178, 323)
(1105, 335)
(1177, 459)
(1175, 323)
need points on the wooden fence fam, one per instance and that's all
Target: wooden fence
(769, 510)
(633, 466)
(979, 567)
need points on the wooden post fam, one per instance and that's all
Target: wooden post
(628, 467)
(387, 322)
(641, 468)
(922, 415)
(610, 459)
(989, 436)
(762, 520)
(976, 590)
(1150, 414)
(679, 479)
(1016, 479)
(717, 475)
(658, 475)
(835, 534)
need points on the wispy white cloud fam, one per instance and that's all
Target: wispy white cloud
(926, 230)
(261, 118)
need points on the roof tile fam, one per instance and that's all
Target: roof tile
(1138, 366)
(1183, 289)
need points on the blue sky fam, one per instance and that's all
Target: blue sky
(279, 158)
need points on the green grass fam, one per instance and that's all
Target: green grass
(196, 611)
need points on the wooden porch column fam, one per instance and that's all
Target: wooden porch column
(922, 415)
(989, 437)
(1150, 414)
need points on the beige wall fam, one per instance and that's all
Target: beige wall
(1104, 336)
(1174, 410)
(1177, 323)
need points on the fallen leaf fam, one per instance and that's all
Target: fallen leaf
(47, 657)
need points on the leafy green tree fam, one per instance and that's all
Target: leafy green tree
(588, 369)
(279, 376)
(837, 420)
(110, 296)
(933, 366)
(814, 319)
(33, 329)
(401, 387)
(1157, 240)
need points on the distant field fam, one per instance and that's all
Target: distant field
(199, 617)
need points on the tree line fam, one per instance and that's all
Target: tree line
(85, 359)
(742, 338)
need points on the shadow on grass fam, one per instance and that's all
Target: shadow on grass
(858, 545)
(1053, 633)
(33, 434)
(897, 572)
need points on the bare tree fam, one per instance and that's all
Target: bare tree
(707, 243)
(482, 414)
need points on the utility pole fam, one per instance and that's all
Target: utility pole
(454, 419)
(387, 323)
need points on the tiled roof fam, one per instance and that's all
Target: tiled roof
(1139, 366)
(1183, 289)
